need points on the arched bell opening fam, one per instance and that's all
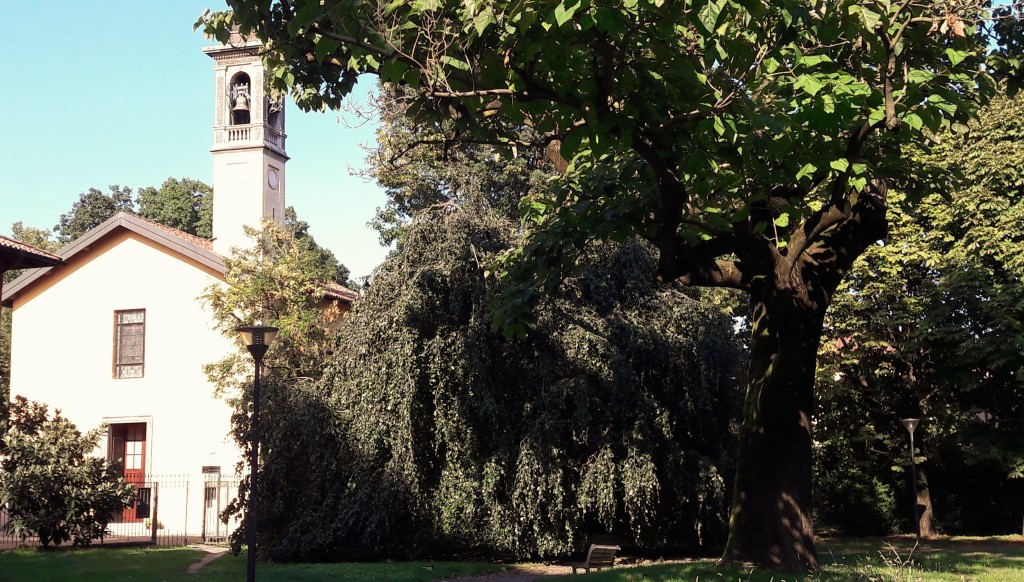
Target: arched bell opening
(275, 113)
(240, 99)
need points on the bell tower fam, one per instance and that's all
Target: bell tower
(248, 144)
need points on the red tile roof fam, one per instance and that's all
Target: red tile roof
(16, 247)
(337, 291)
(196, 240)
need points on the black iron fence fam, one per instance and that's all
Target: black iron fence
(169, 510)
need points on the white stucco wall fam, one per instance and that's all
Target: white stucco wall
(242, 194)
(63, 341)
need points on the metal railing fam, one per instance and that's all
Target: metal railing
(169, 510)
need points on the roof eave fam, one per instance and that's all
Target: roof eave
(131, 223)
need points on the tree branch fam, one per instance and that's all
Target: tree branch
(849, 234)
(702, 264)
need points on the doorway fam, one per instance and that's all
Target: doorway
(127, 450)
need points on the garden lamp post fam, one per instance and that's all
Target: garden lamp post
(911, 424)
(257, 338)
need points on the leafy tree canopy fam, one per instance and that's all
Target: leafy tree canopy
(38, 237)
(335, 270)
(931, 324)
(280, 280)
(749, 141)
(92, 208)
(417, 179)
(184, 204)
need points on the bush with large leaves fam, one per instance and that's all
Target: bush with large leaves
(51, 484)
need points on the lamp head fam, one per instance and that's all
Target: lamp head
(911, 424)
(257, 338)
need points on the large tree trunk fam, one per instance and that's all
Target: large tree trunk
(771, 522)
(790, 289)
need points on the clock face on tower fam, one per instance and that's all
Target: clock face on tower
(272, 178)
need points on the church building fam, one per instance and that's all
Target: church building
(116, 335)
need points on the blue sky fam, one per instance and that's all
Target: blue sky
(119, 92)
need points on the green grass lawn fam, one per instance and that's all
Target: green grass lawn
(874, 560)
(96, 564)
(157, 565)
(232, 568)
(860, 560)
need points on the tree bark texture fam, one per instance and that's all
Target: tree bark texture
(924, 503)
(770, 523)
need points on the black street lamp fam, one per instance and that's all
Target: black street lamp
(258, 339)
(911, 424)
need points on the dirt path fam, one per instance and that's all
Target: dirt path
(212, 553)
(519, 574)
(527, 572)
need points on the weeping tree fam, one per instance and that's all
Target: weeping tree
(431, 433)
(749, 141)
(610, 417)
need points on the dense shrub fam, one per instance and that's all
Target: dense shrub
(52, 486)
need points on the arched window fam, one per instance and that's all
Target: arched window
(239, 99)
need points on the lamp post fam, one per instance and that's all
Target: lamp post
(257, 338)
(911, 424)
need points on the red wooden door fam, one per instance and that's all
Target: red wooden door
(128, 447)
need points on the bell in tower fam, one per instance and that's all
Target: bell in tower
(240, 99)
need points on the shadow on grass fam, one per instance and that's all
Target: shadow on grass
(876, 560)
(232, 568)
(861, 560)
(96, 564)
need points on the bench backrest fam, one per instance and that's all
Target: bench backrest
(601, 556)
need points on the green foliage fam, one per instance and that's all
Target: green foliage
(932, 324)
(713, 104)
(749, 141)
(855, 494)
(420, 166)
(304, 469)
(92, 208)
(184, 204)
(280, 280)
(430, 433)
(38, 237)
(611, 417)
(51, 484)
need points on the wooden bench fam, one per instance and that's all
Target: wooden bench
(598, 557)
